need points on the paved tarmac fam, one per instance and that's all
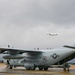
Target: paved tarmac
(22, 71)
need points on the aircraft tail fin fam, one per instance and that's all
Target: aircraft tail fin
(73, 47)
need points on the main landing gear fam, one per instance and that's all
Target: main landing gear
(30, 68)
(66, 67)
(41, 68)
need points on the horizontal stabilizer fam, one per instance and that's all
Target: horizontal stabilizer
(69, 46)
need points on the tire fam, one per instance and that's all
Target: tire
(10, 67)
(40, 68)
(32, 68)
(28, 68)
(45, 68)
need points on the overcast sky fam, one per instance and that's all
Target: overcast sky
(25, 23)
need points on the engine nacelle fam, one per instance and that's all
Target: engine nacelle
(13, 56)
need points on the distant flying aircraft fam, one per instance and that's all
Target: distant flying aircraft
(43, 59)
(52, 34)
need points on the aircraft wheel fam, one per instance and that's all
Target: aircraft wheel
(68, 69)
(28, 68)
(45, 68)
(10, 67)
(33, 68)
(64, 69)
(40, 68)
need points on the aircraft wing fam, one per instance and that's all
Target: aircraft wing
(69, 46)
(13, 51)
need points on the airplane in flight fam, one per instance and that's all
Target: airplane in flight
(43, 59)
(52, 34)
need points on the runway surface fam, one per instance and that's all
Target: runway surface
(22, 71)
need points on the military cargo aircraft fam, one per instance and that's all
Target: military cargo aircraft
(43, 59)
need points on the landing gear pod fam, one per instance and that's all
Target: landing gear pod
(29, 66)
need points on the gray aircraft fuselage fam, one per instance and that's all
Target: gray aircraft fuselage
(45, 59)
